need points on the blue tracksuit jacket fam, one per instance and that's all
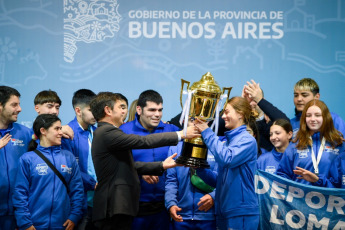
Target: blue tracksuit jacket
(302, 158)
(269, 161)
(149, 192)
(336, 174)
(79, 146)
(179, 190)
(9, 158)
(236, 158)
(339, 123)
(40, 198)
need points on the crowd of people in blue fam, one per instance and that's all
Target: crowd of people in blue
(101, 171)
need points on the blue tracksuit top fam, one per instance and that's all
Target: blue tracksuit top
(9, 157)
(302, 158)
(179, 190)
(79, 146)
(336, 177)
(269, 161)
(236, 159)
(339, 123)
(40, 197)
(149, 192)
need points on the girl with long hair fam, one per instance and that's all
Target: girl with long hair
(41, 199)
(236, 201)
(280, 136)
(316, 145)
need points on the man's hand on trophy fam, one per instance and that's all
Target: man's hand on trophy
(150, 179)
(192, 132)
(200, 125)
(169, 162)
(173, 213)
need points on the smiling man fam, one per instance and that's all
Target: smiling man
(152, 213)
(306, 90)
(116, 199)
(10, 153)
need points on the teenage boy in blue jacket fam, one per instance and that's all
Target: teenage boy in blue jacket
(189, 207)
(305, 90)
(83, 128)
(49, 102)
(11, 152)
(152, 213)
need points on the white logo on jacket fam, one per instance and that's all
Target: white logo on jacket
(329, 149)
(270, 169)
(65, 169)
(303, 153)
(343, 179)
(42, 169)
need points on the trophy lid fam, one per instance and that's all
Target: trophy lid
(206, 83)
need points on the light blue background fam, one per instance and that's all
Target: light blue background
(32, 38)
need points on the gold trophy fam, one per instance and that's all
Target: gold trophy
(205, 95)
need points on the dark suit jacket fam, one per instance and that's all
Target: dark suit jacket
(118, 188)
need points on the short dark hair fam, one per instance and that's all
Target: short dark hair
(46, 96)
(149, 95)
(102, 100)
(6, 92)
(285, 124)
(42, 121)
(82, 97)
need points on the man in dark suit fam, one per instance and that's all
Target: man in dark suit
(116, 199)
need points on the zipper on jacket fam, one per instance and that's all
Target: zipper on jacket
(193, 189)
(51, 208)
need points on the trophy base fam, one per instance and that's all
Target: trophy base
(193, 155)
(192, 162)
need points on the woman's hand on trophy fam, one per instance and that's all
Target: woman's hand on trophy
(192, 132)
(200, 125)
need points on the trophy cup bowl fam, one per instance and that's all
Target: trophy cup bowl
(203, 105)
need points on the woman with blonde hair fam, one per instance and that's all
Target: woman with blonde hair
(316, 145)
(132, 110)
(236, 201)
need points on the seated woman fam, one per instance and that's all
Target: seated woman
(317, 144)
(280, 136)
(40, 198)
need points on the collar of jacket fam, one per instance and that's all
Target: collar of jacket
(75, 124)
(5, 131)
(232, 133)
(277, 155)
(48, 150)
(298, 114)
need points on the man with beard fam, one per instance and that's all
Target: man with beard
(11, 152)
(83, 128)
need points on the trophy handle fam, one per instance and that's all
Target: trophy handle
(229, 90)
(182, 83)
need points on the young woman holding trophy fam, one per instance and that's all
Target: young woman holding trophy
(236, 201)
